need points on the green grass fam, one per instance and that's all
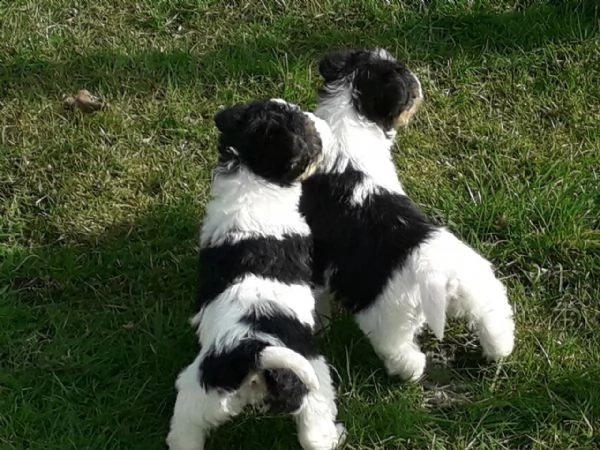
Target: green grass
(99, 214)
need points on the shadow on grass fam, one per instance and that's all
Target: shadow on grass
(98, 330)
(551, 405)
(430, 37)
(98, 325)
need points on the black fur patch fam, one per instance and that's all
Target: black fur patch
(287, 260)
(361, 244)
(285, 389)
(294, 334)
(227, 369)
(275, 141)
(381, 88)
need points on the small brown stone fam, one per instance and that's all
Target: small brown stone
(85, 102)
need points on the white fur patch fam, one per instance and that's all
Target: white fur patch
(253, 292)
(360, 143)
(244, 205)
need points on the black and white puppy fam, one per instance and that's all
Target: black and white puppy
(255, 317)
(374, 249)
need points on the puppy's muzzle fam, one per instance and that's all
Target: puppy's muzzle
(416, 100)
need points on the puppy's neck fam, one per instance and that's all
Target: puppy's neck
(361, 143)
(244, 205)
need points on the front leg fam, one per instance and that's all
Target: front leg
(323, 308)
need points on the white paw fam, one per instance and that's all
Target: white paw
(324, 437)
(498, 342)
(181, 441)
(342, 434)
(499, 347)
(409, 365)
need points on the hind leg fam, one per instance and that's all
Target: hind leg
(197, 411)
(392, 325)
(322, 308)
(484, 302)
(317, 429)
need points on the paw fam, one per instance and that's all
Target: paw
(342, 434)
(181, 441)
(409, 365)
(499, 342)
(329, 437)
(499, 347)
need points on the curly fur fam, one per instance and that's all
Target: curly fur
(255, 320)
(374, 249)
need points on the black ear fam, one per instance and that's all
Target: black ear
(228, 119)
(383, 92)
(333, 66)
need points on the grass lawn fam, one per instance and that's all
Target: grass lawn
(99, 214)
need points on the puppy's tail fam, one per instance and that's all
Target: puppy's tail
(274, 357)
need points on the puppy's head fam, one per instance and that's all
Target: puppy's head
(382, 89)
(274, 139)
